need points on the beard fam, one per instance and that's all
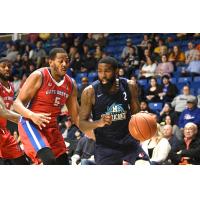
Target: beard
(107, 86)
(4, 78)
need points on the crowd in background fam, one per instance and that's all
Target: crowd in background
(167, 75)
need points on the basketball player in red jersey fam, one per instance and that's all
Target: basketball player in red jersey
(9, 149)
(40, 101)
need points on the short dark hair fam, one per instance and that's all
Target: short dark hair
(54, 51)
(110, 60)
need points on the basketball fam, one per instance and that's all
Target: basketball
(142, 126)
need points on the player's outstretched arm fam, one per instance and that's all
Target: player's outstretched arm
(27, 92)
(135, 105)
(73, 106)
(87, 100)
(8, 114)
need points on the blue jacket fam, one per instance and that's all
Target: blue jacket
(189, 115)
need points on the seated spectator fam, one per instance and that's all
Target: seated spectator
(168, 134)
(28, 52)
(190, 114)
(90, 41)
(193, 68)
(72, 52)
(191, 53)
(101, 40)
(188, 151)
(179, 103)
(39, 54)
(145, 107)
(121, 73)
(148, 69)
(126, 49)
(175, 129)
(131, 62)
(167, 111)
(164, 68)
(77, 63)
(84, 84)
(32, 38)
(90, 62)
(98, 53)
(16, 84)
(145, 41)
(153, 90)
(168, 90)
(177, 56)
(12, 55)
(161, 46)
(141, 93)
(67, 41)
(157, 148)
(84, 153)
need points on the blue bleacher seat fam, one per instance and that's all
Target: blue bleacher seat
(143, 82)
(184, 79)
(173, 80)
(92, 76)
(196, 79)
(79, 77)
(156, 107)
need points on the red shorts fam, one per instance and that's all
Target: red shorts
(34, 139)
(9, 149)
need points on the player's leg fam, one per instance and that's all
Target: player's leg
(35, 143)
(62, 160)
(47, 156)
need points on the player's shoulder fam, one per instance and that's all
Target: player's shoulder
(89, 91)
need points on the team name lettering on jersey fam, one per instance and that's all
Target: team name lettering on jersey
(117, 112)
(58, 92)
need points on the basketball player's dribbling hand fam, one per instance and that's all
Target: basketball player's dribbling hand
(40, 119)
(105, 120)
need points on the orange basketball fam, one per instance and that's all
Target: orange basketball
(142, 126)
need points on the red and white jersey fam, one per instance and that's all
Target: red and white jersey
(8, 97)
(51, 96)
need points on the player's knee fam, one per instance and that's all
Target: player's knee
(47, 157)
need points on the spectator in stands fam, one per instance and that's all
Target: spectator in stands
(188, 151)
(67, 40)
(168, 90)
(165, 67)
(33, 38)
(78, 45)
(132, 61)
(77, 63)
(98, 53)
(193, 68)
(90, 62)
(141, 93)
(175, 129)
(8, 49)
(121, 73)
(28, 51)
(148, 69)
(90, 41)
(157, 148)
(153, 90)
(167, 111)
(145, 41)
(179, 103)
(84, 84)
(144, 106)
(191, 53)
(72, 52)
(177, 56)
(16, 84)
(12, 55)
(84, 153)
(168, 134)
(39, 54)
(190, 114)
(161, 46)
(127, 48)
(101, 41)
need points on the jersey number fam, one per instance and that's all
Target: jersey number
(125, 96)
(57, 101)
